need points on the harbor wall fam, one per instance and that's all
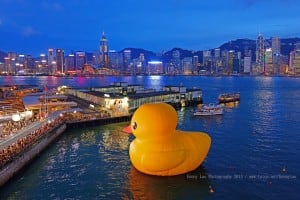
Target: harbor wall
(11, 169)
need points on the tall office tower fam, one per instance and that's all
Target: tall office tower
(80, 60)
(104, 51)
(187, 65)
(127, 59)
(70, 64)
(269, 68)
(224, 57)
(2, 68)
(195, 62)
(247, 64)
(11, 62)
(206, 57)
(297, 46)
(276, 48)
(276, 45)
(217, 53)
(155, 68)
(295, 62)
(29, 63)
(260, 50)
(21, 62)
(7, 65)
(231, 58)
(60, 60)
(50, 56)
(176, 61)
(141, 67)
(115, 59)
(42, 64)
(96, 58)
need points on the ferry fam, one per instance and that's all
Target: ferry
(208, 110)
(229, 97)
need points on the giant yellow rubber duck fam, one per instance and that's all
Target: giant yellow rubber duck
(160, 149)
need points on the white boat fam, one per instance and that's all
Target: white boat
(207, 110)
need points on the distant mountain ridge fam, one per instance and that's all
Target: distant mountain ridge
(287, 45)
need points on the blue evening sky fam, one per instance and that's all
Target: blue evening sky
(33, 26)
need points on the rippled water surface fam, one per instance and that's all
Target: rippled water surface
(255, 152)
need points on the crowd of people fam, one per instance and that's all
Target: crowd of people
(11, 127)
(17, 148)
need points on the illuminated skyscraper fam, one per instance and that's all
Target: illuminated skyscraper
(276, 45)
(276, 48)
(104, 51)
(269, 68)
(70, 63)
(80, 60)
(60, 60)
(187, 65)
(127, 58)
(260, 50)
(176, 61)
(50, 56)
(29, 63)
(195, 62)
(10, 62)
(295, 60)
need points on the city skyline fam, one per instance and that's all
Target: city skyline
(32, 28)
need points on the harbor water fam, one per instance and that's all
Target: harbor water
(255, 151)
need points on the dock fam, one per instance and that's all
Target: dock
(23, 138)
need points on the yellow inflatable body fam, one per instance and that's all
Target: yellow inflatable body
(160, 149)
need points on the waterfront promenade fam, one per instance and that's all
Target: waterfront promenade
(15, 146)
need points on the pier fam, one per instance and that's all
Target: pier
(17, 150)
(25, 137)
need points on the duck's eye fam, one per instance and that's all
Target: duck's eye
(134, 125)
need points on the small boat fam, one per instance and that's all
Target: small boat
(229, 97)
(207, 110)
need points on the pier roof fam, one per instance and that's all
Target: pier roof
(131, 95)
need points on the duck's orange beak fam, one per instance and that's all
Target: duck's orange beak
(127, 129)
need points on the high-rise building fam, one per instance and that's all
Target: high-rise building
(29, 63)
(115, 59)
(206, 57)
(276, 49)
(176, 64)
(96, 58)
(21, 62)
(276, 45)
(247, 64)
(70, 64)
(60, 60)
(10, 62)
(127, 59)
(155, 68)
(297, 46)
(231, 57)
(104, 51)
(79, 60)
(217, 53)
(42, 65)
(50, 56)
(195, 62)
(187, 65)
(260, 50)
(269, 68)
(295, 62)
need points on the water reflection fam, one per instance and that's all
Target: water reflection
(114, 139)
(193, 185)
(88, 137)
